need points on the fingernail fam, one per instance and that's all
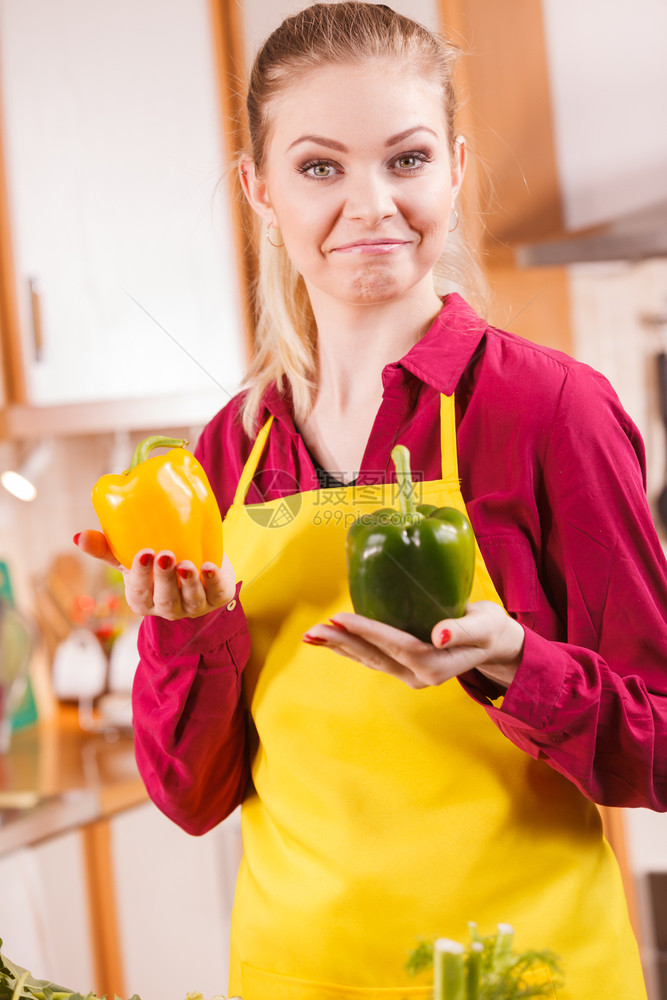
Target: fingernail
(313, 640)
(183, 573)
(146, 559)
(337, 625)
(165, 562)
(76, 538)
(209, 573)
(444, 638)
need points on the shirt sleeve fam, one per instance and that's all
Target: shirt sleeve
(189, 717)
(595, 705)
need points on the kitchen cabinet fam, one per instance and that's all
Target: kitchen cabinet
(174, 896)
(44, 910)
(99, 889)
(608, 81)
(60, 788)
(126, 283)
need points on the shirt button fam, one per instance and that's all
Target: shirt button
(232, 604)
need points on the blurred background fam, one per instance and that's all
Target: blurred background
(126, 309)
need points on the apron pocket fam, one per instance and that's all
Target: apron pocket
(261, 985)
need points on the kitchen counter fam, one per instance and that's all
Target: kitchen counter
(55, 778)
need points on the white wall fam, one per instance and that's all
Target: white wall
(609, 303)
(263, 16)
(33, 534)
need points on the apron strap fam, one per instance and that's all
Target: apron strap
(449, 456)
(250, 467)
(449, 460)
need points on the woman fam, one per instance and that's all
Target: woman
(381, 803)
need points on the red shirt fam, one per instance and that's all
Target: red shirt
(552, 473)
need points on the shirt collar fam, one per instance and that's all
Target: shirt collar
(444, 352)
(438, 359)
(277, 402)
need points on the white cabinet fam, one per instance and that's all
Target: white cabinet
(44, 911)
(173, 899)
(126, 276)
(608, 77)
(174, 895)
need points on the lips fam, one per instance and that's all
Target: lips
(382, 246)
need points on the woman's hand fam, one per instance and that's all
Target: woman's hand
(485, 638)
(158, 585)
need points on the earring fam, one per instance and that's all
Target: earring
(456, 222)
(268, 236)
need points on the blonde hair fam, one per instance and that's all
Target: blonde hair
(343, 31)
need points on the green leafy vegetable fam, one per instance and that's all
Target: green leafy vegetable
(487, 968)
(16, 983)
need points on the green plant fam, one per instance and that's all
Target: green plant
(487, 968)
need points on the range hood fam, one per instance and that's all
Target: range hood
(636, 236)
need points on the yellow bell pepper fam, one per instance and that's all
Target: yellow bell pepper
(163, 502)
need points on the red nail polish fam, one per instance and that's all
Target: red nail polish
(165, 562)
(209, 573)
(445, 636)
(146, 559)
(337, 625)
(76, 538)
(183, 573)
(312, 640)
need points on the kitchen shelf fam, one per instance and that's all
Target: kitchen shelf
(47, 818)
(23, 422)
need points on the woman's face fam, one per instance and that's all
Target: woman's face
(359, 180)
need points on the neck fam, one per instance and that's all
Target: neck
(355, 342)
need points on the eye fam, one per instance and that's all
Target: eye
(318, 170)
(411, 162)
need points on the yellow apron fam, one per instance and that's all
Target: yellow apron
(381, 814)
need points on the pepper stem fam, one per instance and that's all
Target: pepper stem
(157, 441)
(406, 491)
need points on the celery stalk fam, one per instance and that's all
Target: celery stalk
(473, 970)
(503, 946)
(448, 970)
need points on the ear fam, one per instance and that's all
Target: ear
(255, 190)
(459, 160)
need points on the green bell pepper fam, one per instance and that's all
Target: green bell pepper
(413, 567)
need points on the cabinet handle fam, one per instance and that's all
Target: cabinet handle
(36, 308)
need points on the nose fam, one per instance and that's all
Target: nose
(369, 198)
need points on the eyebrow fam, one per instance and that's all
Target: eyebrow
(321, 140)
